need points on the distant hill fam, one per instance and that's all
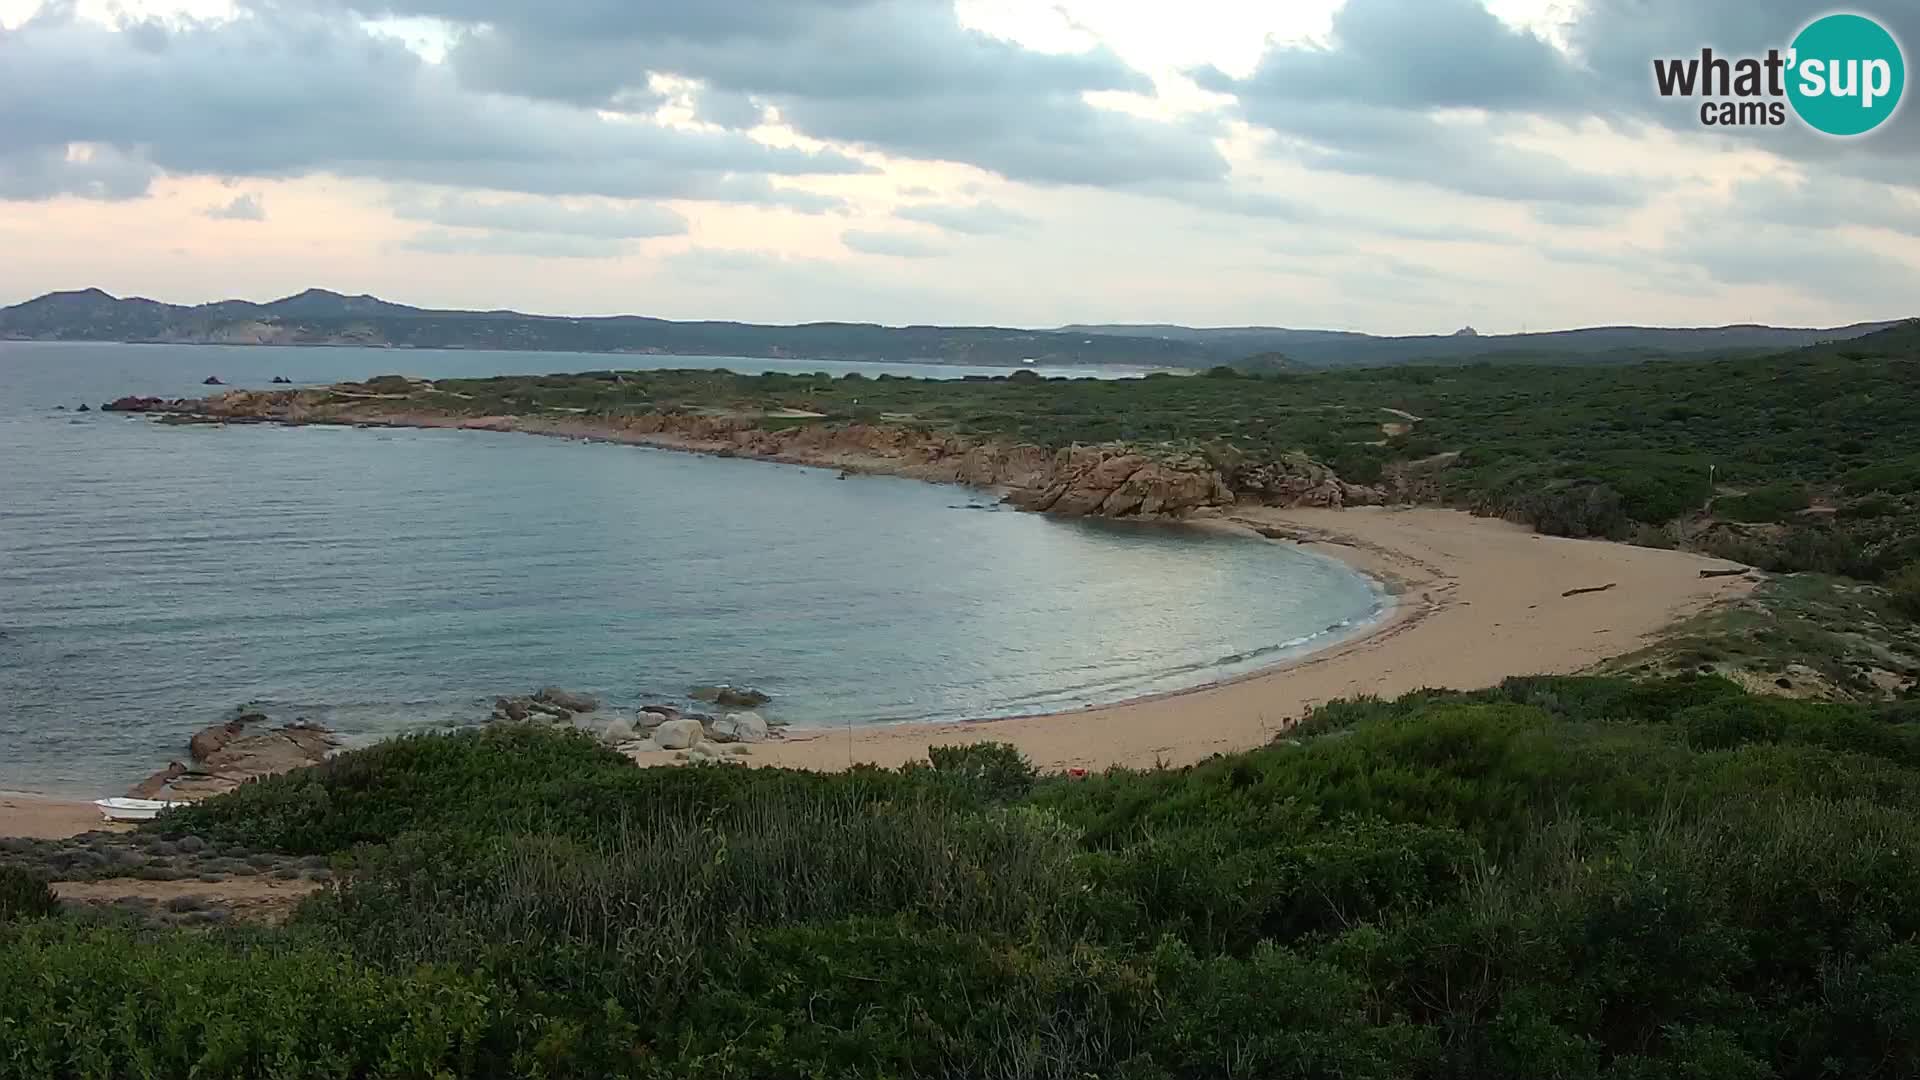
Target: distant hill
(1600, 344)
(320, 317)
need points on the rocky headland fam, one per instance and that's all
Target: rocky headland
(1111, 480)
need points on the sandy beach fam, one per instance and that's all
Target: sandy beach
(1477, 600)
(22, 814)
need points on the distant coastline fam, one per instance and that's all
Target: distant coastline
(318, 317)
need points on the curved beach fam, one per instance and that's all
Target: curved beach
(1479, 599)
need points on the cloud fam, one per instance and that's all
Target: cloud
(34, 173)
(605, 220)
(1417, 91)
(464, 242)
(977, 219)
(1812, 262)
(728, 108)
(278, 92)
(1826, 203)
(244, 207)
(903, 77)
(898, 245)
(1409, 54)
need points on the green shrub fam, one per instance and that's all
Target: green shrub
(1559, 876)
(992, 772)
(25, 895)
(1904, 589)
(1772, 502)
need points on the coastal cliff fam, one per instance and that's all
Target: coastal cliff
(1110, 480)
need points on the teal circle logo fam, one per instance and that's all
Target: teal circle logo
(1847, 73)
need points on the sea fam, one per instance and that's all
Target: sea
(153, 578)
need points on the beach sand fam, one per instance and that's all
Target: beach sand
(1479, 599)
(37, 816)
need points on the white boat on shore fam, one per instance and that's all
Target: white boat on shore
(132, 809)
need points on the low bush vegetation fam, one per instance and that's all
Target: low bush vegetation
(1573, 877)
(25, 895)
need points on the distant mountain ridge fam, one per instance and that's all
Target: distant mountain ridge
(1597, 344)
(321, 317)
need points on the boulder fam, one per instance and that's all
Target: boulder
(679, 734)
(655, 715)
(84, 408)
(552, 712)
(619, 730)
(567, 699)
(212, 380)
(743, 727)
(509, 709)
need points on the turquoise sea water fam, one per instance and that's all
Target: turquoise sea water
(381, 581)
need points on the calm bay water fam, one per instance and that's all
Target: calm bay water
(382, 581)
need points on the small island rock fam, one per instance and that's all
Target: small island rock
(735, 697)
(567, 699)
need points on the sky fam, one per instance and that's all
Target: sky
(1392, 166)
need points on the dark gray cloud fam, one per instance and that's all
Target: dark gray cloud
(1367, 102)
(729, 109)
(1812, 262)
(1409, 54)
(976, 219)
(897, 245)
(243, 207)
(472, 242)
(634, 221)
(900, 76)
(281, 92)
(1827, 204)
(33, 173)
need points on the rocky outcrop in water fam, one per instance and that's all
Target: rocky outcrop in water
(1100, 481)
(1089, 481)
(733, 697)
(148, 405)
(234, 751)
(567, 699)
